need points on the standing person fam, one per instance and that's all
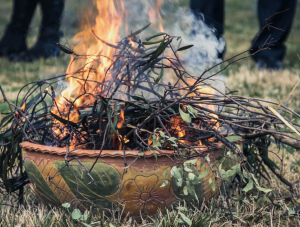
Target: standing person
(13, 42)
(213, 11)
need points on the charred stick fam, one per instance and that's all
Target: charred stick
(280, 177)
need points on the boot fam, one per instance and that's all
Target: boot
(45, 46)
(14, 38)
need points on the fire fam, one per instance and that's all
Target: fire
(92, 78)
(154, 14)
(108, 23)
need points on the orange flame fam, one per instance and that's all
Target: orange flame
(108, 23)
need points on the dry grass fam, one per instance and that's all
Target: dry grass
(271, 86)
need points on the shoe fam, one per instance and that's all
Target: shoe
(12, 43)
(269, 64)
(42, 49)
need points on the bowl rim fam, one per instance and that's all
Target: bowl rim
(38, 148)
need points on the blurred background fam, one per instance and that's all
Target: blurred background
(241, 25)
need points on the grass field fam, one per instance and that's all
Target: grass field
(241, 26)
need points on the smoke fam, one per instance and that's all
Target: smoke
(178, 21)
(166, 16)
(61, 85)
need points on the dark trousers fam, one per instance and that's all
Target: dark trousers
(23, 11)
(213, 12)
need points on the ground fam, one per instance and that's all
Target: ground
(241, 26)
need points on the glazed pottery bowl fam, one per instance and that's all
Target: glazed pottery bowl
(137, 187)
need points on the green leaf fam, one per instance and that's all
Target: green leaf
(268, 161)
(230, 172)
(76, 214)
(191, 176)
(249, 186)
(166, 174)
(185, 218)
(192, 111)
(187, 169)
(156, 144)
(246, 175)
(171, 110)
(66, 205)
(183, 153)
(155, 35)
(224, 175)
(8, 118)
(238, 197)
(159, 50)
(64, 49)
(175, 172)
(182, 208)
(262, 200)
(137, 98)
(173, 140)
(195, 181)
(212, 184)
(165, 183)
(185, 116)
(153, 42)
(5, 173)
(154, 153)
(185, 190)
(162, 134)
(255, 180)
(203, 174)
(141, 154)
(179, 44)
(99, 107)
(179, 220)
(32, 102)
(191, 190)
(239, 219)
(179, 182)
(159, 77)
(185, 47)
(139, 31)
(192, 161)
(291, 212)
(85, 216)
(233, 139)
(265, 190)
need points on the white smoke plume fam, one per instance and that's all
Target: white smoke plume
(179, 21)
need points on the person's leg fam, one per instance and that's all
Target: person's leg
(273, 9)
(213, 13)
(45, 46)
(13, 40)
